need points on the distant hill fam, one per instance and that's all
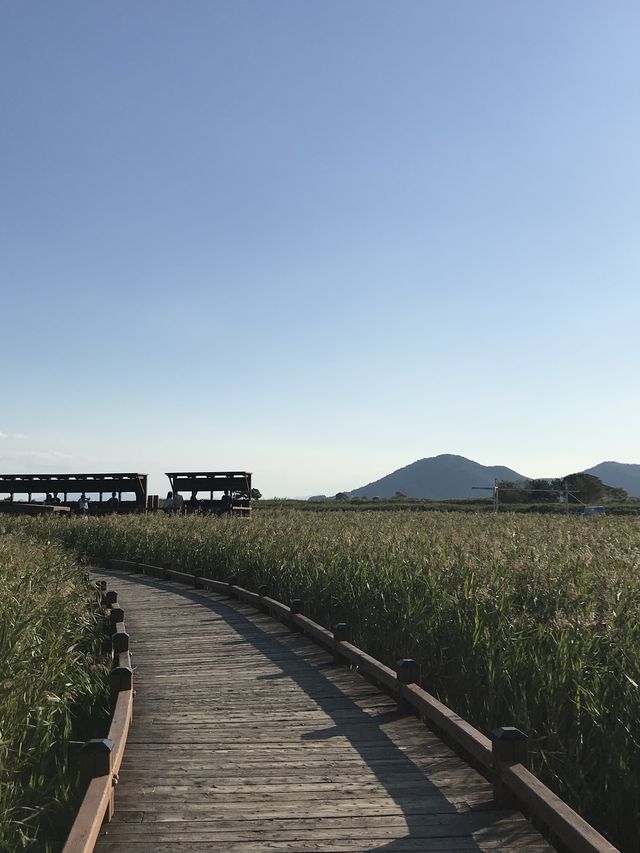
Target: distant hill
(621, 475)
(439, 478)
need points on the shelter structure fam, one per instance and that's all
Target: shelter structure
(99, 487)
(215, 484)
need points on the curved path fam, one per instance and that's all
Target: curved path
(247, 738)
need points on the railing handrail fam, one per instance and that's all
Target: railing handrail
(566, 824)
(105, 756)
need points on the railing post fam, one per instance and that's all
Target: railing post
(121, 679)
(96, 759)
(119, 642)
(296, 606)
(110, 598)
(197, 573)
(263, 592)
(341, 632)
(231, 582)
(117, 615)
(408, 672)
(509, 746)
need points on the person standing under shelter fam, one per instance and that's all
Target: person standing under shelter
(83, 505)
(226, 504)
(113, 503)
(178, 503)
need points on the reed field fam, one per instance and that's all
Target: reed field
(515, 619)
(52, 688)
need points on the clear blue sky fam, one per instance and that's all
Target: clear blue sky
(318, 241)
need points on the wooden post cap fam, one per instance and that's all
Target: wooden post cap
(232, 580)
(121, 678)
(297, 606)
(509, 745)
(117, 614)
(342, 631)
(408, 671)
(110, 597)
(263, 590)
(95, 758)
(103, 585)
(120, 642)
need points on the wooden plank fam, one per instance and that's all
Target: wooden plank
(363, 845)
(473, 741)
(570, 828)
(88, 820)
(254, 823)
(437, 826)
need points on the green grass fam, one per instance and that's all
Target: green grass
(628, 507)
(516, 619)
(52, 689)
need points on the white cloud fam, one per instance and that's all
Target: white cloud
(9, 435)
(37, 461)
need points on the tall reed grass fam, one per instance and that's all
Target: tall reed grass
(525, 620)
(51, 684)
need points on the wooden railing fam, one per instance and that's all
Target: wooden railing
(501, 758)
(100, 758)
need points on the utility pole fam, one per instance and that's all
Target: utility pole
(493, 489)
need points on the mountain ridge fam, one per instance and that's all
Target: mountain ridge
(450, 475)
(621, 475)
(439, 478)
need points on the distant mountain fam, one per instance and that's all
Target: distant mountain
(621, 475)
(439, 477)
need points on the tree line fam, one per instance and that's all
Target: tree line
(580, 487)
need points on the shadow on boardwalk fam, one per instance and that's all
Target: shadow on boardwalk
(423, 804)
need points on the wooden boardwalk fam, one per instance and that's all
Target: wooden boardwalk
(247, 738)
